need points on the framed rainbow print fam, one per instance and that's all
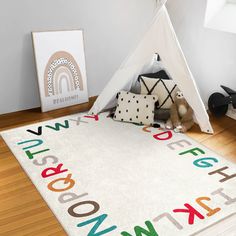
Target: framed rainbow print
(61, 70)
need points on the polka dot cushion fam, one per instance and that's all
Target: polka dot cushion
(135, 108)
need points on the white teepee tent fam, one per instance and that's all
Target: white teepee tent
(160, 38)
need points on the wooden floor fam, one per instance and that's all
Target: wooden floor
(24, 212)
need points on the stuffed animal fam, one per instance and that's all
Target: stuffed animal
(181, 115)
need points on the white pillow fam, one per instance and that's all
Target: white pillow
(135, 108)
(157, 66)
(164, 89)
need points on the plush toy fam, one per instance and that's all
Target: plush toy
(181, 115)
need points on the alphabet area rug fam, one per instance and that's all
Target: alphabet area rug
(102, 177)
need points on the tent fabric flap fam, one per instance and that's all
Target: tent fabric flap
(160, 38)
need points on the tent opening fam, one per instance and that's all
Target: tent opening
(160, 38)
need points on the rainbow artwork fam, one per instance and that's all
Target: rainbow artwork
(60, 63)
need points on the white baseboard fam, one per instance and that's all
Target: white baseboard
(231, 112)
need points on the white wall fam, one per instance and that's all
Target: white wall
(111, 29)
(211, 54)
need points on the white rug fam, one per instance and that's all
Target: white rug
(102, 177)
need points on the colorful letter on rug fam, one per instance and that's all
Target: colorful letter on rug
(102, 177)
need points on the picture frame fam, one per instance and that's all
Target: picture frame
(61, 68)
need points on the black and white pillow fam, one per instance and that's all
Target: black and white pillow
(157, 75)
(165, 89)
(135, 108)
